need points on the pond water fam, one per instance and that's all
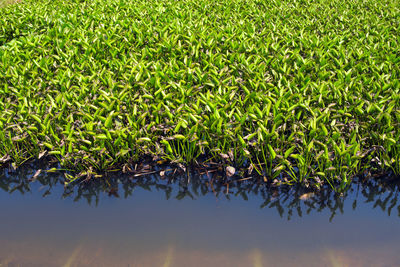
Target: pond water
(159, 221)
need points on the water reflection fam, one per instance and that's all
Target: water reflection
(381, 192)
(207, 221)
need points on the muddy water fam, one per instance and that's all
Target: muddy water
(133, 224)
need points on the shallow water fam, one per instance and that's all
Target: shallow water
(146, 229)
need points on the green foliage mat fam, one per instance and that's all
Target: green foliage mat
(288, 88)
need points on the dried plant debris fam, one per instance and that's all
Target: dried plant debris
(4, 3)
(296, 90)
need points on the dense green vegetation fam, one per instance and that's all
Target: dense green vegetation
(296, 89)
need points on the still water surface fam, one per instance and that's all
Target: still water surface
(133, 224)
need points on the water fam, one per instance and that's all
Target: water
(130, 222)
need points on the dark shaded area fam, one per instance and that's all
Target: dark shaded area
(288, 200)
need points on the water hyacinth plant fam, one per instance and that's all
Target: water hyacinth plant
(290, 89)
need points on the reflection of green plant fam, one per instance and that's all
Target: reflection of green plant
(288, 200)
(296, 91)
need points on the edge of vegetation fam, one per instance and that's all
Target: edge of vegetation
(292, 90)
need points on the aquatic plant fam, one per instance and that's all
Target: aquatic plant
(293, 90)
